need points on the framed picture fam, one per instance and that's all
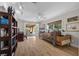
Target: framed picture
(73, 25)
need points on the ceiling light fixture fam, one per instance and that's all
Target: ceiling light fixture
(20, 6)
(5, 6)
(20, 9)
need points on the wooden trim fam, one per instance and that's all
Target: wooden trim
(3, 14)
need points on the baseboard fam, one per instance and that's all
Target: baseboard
(74, 45)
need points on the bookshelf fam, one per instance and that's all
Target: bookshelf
(8, 34)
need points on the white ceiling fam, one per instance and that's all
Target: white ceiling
(39, 11)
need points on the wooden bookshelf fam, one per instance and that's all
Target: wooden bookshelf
(10, 39)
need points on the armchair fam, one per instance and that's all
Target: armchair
(63, 40)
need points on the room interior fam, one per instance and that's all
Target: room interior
(39, 28)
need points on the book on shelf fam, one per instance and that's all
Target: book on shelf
(4, 45)
(4, 32)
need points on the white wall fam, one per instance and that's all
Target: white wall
(21, 25)
(63, 17)
(2, 9)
